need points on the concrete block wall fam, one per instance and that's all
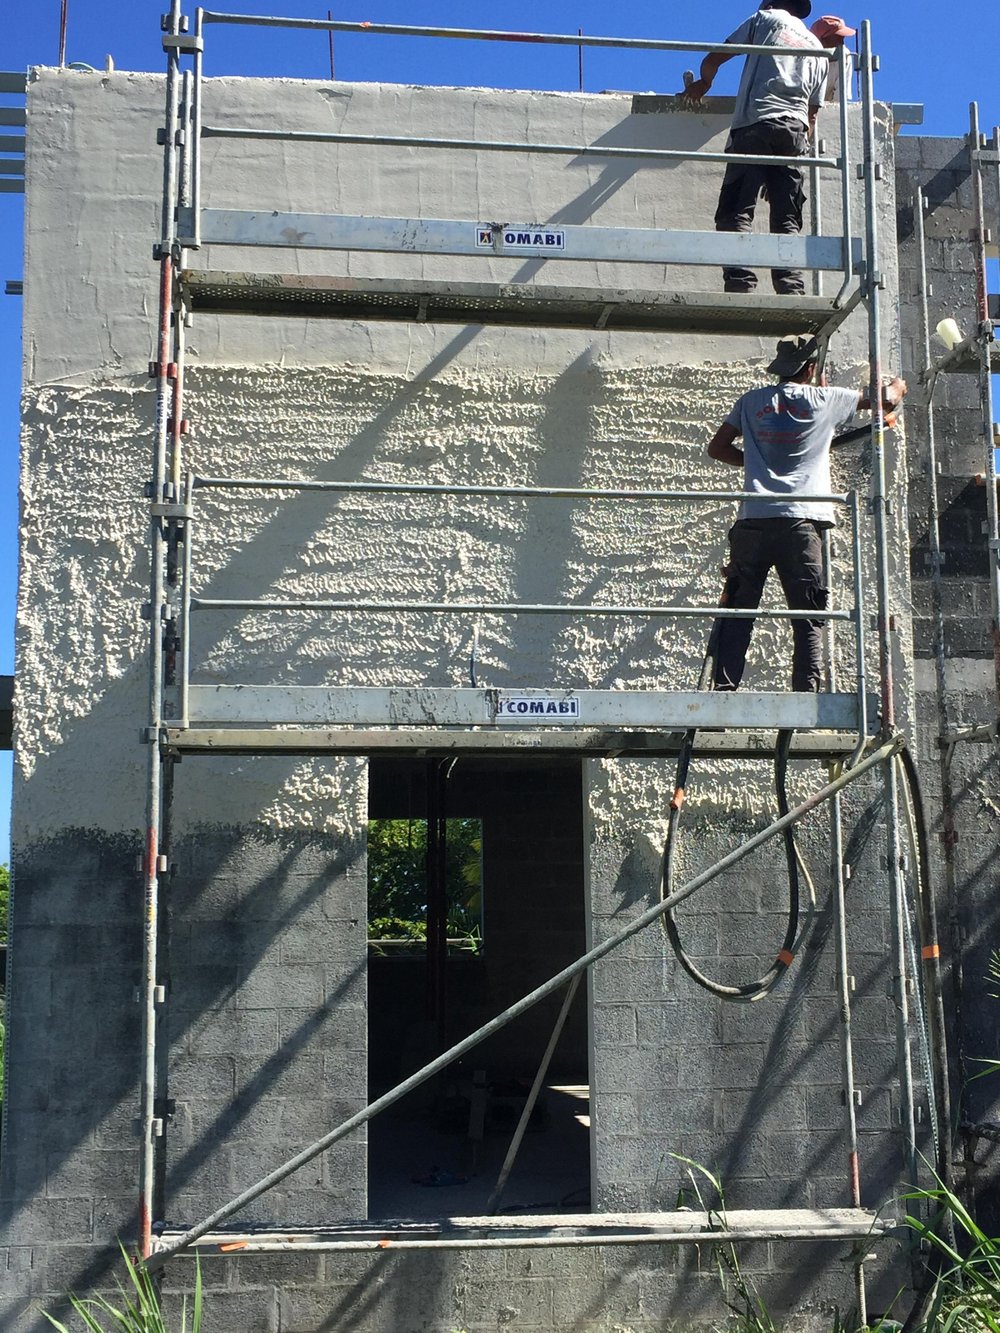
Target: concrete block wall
(752, 1093)
(972, 779)
(269, 891)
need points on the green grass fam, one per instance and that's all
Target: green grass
(138, 1310)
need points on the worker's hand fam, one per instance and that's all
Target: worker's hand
(695, 91)
(895, 391)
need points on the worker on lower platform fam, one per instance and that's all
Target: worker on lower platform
(787, 430)
(776, 107)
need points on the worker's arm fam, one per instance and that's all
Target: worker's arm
(893, 394)
(813, 113)
(722, 448)
(710, 66)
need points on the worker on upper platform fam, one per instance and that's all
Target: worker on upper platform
(776, 108)
(787, 432)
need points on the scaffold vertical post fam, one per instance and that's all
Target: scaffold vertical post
(947, 830)
(886, 623)
(165, 374)
(986, 343)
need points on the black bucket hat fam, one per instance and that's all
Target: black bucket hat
(793, 354)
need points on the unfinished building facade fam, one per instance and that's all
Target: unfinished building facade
(435, 547)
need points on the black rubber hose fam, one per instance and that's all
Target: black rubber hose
(751, 991)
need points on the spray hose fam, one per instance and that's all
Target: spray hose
(749, 992)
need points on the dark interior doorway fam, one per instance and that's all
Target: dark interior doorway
(476, 895)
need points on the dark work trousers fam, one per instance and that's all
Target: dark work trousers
(794, 547)
(742, 185)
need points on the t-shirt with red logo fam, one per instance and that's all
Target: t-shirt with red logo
(778, 87)
(787, 431)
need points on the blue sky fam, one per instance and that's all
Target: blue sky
(964, 39)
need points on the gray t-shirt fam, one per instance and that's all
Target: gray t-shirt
(787, 431)
(777, 87)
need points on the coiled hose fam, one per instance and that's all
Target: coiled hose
(749, 992)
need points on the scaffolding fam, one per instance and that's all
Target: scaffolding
(974, 355)
(854, 733)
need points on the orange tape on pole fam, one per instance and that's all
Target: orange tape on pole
(786, 957)
(931, 951)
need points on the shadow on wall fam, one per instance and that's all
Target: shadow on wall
(70, 1159)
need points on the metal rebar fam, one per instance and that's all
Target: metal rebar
(882, 755)
(886, 624)
(494, 35)
(493, 1203)
(539, 492)
(520, 147)
(507, 608)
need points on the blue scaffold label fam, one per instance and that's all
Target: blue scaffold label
(538, 708)
(521, 238)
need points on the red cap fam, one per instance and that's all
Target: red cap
(831, 26)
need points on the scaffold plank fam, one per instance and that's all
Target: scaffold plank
(563, 709)
(533, 1230)
(511, 744)
(520, 304)
(450, 236)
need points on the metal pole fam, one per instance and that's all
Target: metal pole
(157, 604)
(846, 1036)
(333, 74)
(886, 623)
(509, 146)
(845, 171)
(816, 205)
(506, 608)
(882, 755)
(986, 343)
(198, 81)
(948, 833)
(184, 672)
(493, 1203)
(533, 492)
(714, 1232)
(495, 35)
(861, 669)
(63, 16)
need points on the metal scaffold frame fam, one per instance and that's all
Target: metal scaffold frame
(381, 720)
(976, 355)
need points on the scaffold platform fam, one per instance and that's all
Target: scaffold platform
(532, 1231)
(518, 304)
(297, 720)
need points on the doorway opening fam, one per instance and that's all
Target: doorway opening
(476, 896)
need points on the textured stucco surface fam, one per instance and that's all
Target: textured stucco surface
(269, 889)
